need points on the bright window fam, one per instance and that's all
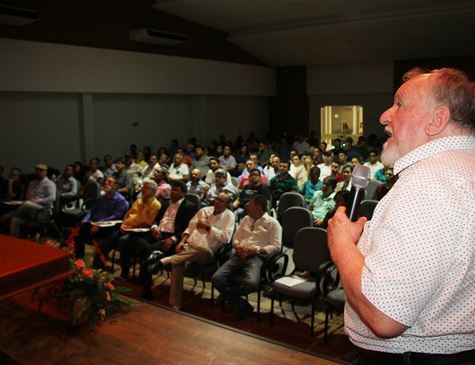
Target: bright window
(341, 122)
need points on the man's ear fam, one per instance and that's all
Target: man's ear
(440, 119)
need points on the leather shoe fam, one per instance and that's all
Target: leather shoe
(243, 313)
(155, 267)
(147, 294)
(155, 256)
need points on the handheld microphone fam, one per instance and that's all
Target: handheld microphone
(359, 182)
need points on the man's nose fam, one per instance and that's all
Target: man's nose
(385, 117)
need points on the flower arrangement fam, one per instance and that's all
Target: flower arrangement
(93, 295)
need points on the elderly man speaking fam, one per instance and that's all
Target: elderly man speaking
(409, 273)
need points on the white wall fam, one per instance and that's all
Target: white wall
(369, 85)
(248, 115)
(37, 66)
(163, 117)
(64, 103)
(159, 118)
(38, 128)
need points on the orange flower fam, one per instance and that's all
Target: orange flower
(80, 264)
(87, 273)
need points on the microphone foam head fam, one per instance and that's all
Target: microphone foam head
(360, 177)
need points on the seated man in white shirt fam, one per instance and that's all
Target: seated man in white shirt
(299, 172)
(258, 234)
(373, 164)
(219, 186)
(325, 167)
(94, 174)
(227, 160)
(213, 166)
(152, 165)
(178, 170)
(272, 169)
(208, 229)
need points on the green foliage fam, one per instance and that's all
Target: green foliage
(93, 296)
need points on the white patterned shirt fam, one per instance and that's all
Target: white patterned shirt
(419, 251)
(265, 232)
(222, 227)
(178, 172)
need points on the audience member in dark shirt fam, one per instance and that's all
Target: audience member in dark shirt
(108, 207)
(12, 187)
(254, 187)
(125, 184)
(383, 189)
(282, 182)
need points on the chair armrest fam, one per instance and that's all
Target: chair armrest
(325, 281)
(43, 215)
(222, 253)
(274, 266)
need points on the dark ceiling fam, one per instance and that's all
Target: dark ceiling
(272, 32)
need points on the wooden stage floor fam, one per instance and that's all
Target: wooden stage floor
(147, 334)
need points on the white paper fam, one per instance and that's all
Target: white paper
(290, 280)
(13, 202)
(105, 223)
(137, 229)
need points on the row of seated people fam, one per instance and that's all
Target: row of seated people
(140, 163)
(182, 163)
(182, 232)
(254, 179)
(233, 156)
(129, 173)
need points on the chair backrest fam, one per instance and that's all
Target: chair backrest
(293, 219)
(57, 204)
(367, 208)
(311, 249)
(289, 199)
(194, 198)
(91, 190)
(372, 185)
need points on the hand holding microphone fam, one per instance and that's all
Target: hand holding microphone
(359, 183)
(340, 233)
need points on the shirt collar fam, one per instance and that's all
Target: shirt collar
(264, 216)
(178, 203)
(433, 148)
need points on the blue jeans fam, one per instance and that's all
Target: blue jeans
(238, 277)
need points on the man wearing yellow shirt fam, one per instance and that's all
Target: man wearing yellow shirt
(136, 222)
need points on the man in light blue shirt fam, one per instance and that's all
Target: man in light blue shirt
(323, 200)
(312, 184)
